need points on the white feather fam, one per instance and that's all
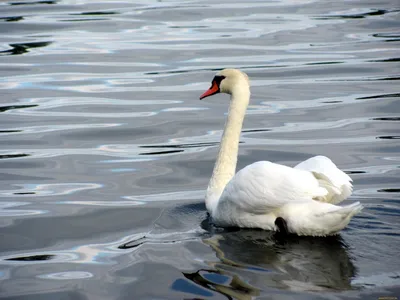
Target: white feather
(336, 182)
(318, 218)
(263, 191)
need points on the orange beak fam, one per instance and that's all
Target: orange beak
(214, 89)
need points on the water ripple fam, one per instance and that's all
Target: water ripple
(55, 127)
(167, 197)
(67, 275)
(47, 190)
(105, 94)
(7, 209)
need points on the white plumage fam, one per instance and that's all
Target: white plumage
(336, 182)
(254, 197)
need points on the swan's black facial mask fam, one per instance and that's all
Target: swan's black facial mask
(214, 89)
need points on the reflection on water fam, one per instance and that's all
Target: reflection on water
(18, 49)
(230, 286)
(31, 258)
(355, 14)
(298, 264)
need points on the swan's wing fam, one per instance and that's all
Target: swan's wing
(264, 186)
(336, 182)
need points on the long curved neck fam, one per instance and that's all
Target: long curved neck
(225, 165)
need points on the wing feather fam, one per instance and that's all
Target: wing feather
(265, 186)
(336, 182)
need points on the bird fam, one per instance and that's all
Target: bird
(300, 200)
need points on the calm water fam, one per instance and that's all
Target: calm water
(106, 151)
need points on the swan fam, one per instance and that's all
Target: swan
(300, 200)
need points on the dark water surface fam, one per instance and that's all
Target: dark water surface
(106, 151)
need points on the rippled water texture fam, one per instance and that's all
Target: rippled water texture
(106, 151)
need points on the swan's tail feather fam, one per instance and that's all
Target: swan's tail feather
(339, 218)
(346, 210)
(317, 218)
(354, 208)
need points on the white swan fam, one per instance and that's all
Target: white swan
(270, 196)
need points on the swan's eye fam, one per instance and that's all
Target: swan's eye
(217, 79)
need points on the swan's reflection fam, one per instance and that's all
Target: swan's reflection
(254, 260)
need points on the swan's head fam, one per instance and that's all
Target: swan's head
(227, 81)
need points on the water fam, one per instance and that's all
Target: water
(106, 150)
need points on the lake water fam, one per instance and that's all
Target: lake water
(106, 151)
